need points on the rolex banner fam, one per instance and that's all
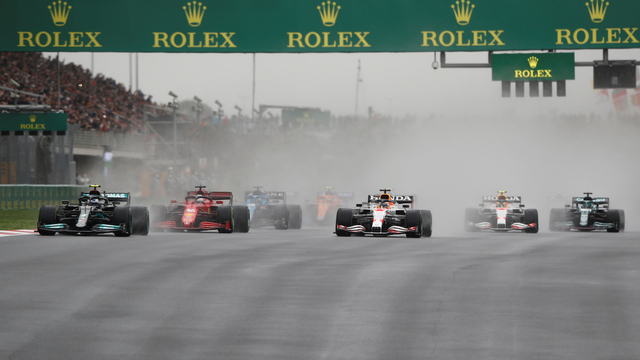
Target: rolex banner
(33, 122)
(281, 26)
(533, 67)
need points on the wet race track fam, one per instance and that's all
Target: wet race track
(307, 294)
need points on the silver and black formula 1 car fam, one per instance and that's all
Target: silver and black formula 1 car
(95, 213)
(586, 214)
(384, 215)
(501, 213)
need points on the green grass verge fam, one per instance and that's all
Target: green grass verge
(18, 219)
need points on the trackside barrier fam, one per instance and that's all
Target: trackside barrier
(15, 197)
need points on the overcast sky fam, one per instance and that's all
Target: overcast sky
(392, 83)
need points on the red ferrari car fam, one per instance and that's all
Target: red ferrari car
(202, 210)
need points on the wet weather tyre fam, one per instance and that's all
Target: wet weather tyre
(427, 222)
(531, 217)
(241, 218)
(414, 219)
(139, 220)
(295, 216)
(281, 217)
(225, 214)
(556, 216)
(470, 216)
(47, 215)
(344, 218)
(617, 218)
(122, 215)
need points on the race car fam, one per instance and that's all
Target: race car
(501, 213)
(269, 208)
(382, 215)
(327, 204)
(200, 211)
(585, 214)
(96, 212)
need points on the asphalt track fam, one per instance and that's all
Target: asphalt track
(306, 294)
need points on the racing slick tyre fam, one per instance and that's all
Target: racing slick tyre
(139, 220)
(413, 219)
(295, 216)
(427, 222)
(556, 216)
(241, 218)
(122, 215)
(157, 214)
(616, 217)
(470, 216)
(343, 217)
(281, 215)
(225, 213)
(47, 215)
(531, 216)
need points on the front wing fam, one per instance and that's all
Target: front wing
(204, 225)
(515, 226)
(95, 229)
(393, 230)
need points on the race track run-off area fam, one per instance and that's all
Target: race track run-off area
(307, 294)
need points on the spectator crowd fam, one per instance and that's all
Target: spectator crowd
(93, 102)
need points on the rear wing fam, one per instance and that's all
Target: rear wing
(338, 194)
(399, 199)
(275, 197)
(216, 196)
(494, 198)
(598, 200)
(112, 196)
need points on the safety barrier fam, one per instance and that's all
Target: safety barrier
(14, 197)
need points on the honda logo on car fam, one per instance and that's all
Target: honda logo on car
(495, 198)
(394, 198)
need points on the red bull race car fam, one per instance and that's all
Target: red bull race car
(501, 213)
(200, 211)
(384, 215)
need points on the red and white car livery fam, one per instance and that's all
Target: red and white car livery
(501, 213)
(384, 215)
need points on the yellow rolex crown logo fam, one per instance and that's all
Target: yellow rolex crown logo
(533, 62)
(597, 10)
(194, 12)
(32, 118)
(462, 11)
(59, 12)
(329, 13)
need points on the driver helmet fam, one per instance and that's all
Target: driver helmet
(502, 201)
(94, 201)
(587, 204)
(199, 198)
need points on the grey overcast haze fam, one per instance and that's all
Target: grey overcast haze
(395, 84)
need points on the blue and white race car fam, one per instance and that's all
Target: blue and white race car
(269, 208)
